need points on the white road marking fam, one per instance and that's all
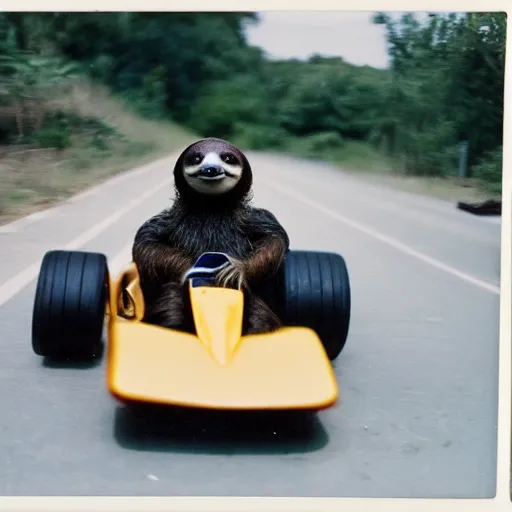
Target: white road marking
(430, 218)
(386, 239)
(114, 180)
(14, 285)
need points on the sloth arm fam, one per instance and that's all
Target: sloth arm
(152, 253)
(270, 244)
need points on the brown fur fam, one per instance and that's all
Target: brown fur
(169, 243)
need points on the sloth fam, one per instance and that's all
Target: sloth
(211, 213)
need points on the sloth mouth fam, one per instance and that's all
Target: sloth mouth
(211, 173)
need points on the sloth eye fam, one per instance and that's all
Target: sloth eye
(229, 158)
(194, 159)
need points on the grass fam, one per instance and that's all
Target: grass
(33, 177)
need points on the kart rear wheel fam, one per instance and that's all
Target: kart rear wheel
(69, 305)
(316, 294)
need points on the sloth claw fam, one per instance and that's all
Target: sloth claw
(232, 275)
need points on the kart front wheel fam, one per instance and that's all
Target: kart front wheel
(69, 306)
(316, 294)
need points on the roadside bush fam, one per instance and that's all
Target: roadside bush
(489, 171)
(321, 143)
(53, 138)
(259, 137)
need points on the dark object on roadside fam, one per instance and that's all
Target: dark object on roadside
(489, 207)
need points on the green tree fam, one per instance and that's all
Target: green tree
(447, 86)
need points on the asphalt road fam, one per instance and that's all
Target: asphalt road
(418, 377)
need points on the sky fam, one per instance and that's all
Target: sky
(350, 35)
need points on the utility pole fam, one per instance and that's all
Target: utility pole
(463, 159)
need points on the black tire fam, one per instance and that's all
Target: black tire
(69, 307)
(316, 294)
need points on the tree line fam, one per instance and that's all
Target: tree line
(444, 86)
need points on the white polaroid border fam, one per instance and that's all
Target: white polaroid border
(502, 500)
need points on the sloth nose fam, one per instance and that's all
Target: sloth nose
(211, 171)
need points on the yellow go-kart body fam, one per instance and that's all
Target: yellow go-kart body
(217, 368)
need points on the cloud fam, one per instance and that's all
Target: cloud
(299, 34)
(350, 35)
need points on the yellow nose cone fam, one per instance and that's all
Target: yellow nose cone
(218, 316)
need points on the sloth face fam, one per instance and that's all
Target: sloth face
(212, 167)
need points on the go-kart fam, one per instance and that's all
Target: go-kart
(217, 367)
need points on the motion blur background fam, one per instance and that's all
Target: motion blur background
(391, 97)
